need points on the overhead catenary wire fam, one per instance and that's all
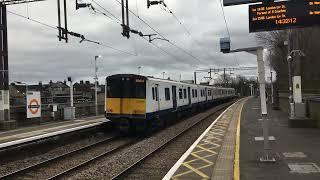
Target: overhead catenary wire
(115, 18)
(167, 9)
(177, 19)
(88, 40)
(160, 34)
(227, 28)
(166, 52)
(33, 20)
(224, 17)
(153, 44)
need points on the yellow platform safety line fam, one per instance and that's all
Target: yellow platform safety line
(236, 171)
(217, 130)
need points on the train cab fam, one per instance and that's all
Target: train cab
(125, 97)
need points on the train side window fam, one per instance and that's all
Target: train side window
(196, 93)
(180, 93)
(167, 94)
(185, 93)
(153, 94)
(156, 93)
(192, 93)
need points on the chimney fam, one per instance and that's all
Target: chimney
(81, 82)
(50, 83)
(65, 82)
(87, 82)
(40, 83)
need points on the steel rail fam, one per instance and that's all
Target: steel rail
(85, 163)
(24, 170)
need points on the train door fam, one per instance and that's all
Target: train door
(189, 96)
(174, 97)
(206, 93)
(157, 97)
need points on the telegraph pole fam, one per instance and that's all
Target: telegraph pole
(272, 95)
(289, 59)
(5, 122)
(224, 77)
(71, 99)
(96, 83)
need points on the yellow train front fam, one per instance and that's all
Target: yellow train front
(126, 101)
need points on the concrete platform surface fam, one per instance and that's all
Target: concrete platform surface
(23, 135)
(297, 150)
(212, 154)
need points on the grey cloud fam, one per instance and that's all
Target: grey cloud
(36, 55)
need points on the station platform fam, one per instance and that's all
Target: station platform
(29, 134)
(212, 154)
(232, 145)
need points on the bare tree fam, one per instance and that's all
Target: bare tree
(307, 40)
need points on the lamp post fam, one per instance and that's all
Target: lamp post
(163, 75)
(139, 70)
(72, 108)
(272, 91)
(96, 82)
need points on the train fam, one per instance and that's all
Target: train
(140, 103)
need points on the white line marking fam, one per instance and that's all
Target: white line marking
(176, 166)
(294, 155)
(271, 138)
(261, 119)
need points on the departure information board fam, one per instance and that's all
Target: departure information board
(282, 15)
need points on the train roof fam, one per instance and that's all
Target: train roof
(178, 82)
(160, 80)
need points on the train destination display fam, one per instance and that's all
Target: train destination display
(282, 15)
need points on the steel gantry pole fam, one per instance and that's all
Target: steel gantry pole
(96, 83)
(258, 51)
(264, 112)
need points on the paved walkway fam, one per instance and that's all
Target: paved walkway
(22, 135)
(297, 151)
(212, 155)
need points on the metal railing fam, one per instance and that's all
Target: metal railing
(86, 109)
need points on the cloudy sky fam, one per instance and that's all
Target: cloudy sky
(35, 54)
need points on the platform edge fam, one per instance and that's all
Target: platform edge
(176, 166)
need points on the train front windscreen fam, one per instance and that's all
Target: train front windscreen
(126, 87)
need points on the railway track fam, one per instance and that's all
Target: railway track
(78, 152)
(126, 170)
